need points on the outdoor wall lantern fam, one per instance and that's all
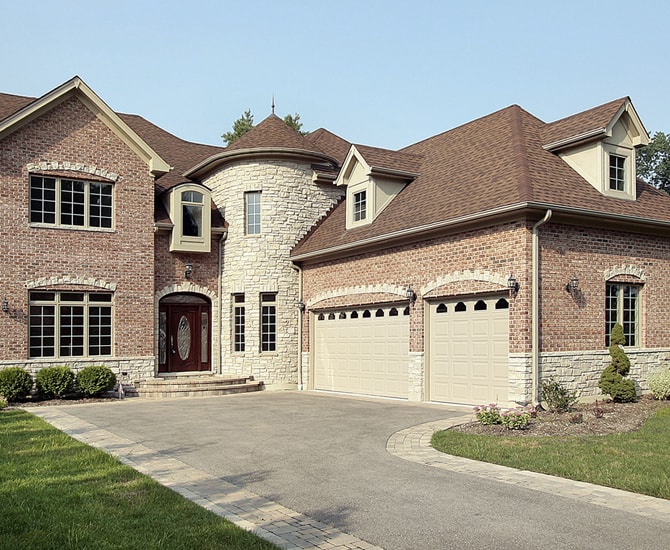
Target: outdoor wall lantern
(572, 285)
(5, 306)
(410, 294)
(301, 306)
(512, 285)
(189, 270)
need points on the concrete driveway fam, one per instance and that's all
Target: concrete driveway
(323, 459)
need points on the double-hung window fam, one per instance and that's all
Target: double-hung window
(71, 203)
(622, 306)
(360, 206)
(239, 313)
(617, 175)
(252, 201)
(268, 322)
(70, 324)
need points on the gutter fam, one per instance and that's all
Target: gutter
(298, 269)
(535, 309)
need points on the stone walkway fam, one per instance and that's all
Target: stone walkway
(294, 530)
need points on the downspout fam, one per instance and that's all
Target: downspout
(300, 314)
(222, 239)
(535, 307)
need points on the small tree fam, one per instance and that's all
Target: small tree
(612, 381)
(240, 127)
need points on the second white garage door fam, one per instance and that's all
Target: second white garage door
(363, 350)
(469, 348)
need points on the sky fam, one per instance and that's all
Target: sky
(381, 73)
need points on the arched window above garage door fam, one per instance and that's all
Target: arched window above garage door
(502, 304)
(481, 305)
(331, 316)
(442, 308)
(320, 317)
(354, 315)
(379, 313)
(393, 312)
(342, 315)
(460, 306)
(367, 314)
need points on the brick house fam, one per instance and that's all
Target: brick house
(465, 268)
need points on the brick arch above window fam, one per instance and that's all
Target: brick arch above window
(70, 280)
(465, 282)
(189, 288)
(72, 167)
(629, 270)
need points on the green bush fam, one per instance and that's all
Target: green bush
(612, 381)
(95, 380)
(558, 398)
(54, 382)
(3, 404)
(515, 419)
(488, 414)
(15, 383)
(659, 384)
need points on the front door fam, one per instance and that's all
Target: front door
(184, 337)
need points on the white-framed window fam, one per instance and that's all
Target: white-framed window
(360, 206)
(70, 324)
(239, 315)
(268, 322)
(71, 203)
(617, 173)
(252, 201)
(622, 306)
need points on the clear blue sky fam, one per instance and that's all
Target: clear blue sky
(382, 73)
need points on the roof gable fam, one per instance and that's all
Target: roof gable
(76, 87)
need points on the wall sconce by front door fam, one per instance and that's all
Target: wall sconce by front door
(189, 270)
(512, 285)
(410, 294)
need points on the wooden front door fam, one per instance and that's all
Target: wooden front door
(185, 341)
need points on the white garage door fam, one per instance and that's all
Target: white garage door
(363, 350)
(469, 346)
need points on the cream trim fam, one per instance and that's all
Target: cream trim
(70, 280)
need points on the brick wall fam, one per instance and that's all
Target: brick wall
(71, 138)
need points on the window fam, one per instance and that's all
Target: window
(239, 314)
(70, 324)
(621, 306)
(360, 202)
(617, 173)
(268, 322)
(253, 210)
(70, 203)
(192, 204)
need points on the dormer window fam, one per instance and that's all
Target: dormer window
(617, 173)
(360, 206)
(190, 213)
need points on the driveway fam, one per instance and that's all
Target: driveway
(325, 457)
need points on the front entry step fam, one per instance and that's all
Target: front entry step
(193, 386)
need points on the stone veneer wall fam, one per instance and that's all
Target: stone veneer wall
(253, 264)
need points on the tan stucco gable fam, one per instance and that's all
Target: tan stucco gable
(76, 87)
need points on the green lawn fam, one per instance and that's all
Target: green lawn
(58, 493)
(634, 461)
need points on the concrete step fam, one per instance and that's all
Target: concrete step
(191, 386)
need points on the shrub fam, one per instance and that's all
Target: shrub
(54, 382)
(15, 383)
(95, 380)
(3, 404)
(558, 398)
(612, 381)
(488, 414)
(659, 384)
(515, 419)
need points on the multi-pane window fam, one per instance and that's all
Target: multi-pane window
(268, 322)
(70, 324)
(617, 173)
(239, 314)
(360, 206)
(622, 306)
(70, 203)
(253, 212)
(192, 204)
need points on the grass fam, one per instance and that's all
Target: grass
(58, 493)
(633, 461)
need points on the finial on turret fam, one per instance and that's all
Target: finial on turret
(273, 104)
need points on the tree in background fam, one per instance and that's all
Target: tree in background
(653, 161)
(246, 122)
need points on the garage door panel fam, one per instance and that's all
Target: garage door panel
(468, 350)
(366, 355)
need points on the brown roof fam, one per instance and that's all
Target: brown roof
(9, 104)
(487, 165)
(387, 160)
(331, 144)
(273, 133)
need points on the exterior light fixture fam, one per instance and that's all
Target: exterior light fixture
(189, 270)
(5, 306)
(410, 294)
(512, 285)
(572, 285)
(301, 306)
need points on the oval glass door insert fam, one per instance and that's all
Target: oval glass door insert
(184, 338)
